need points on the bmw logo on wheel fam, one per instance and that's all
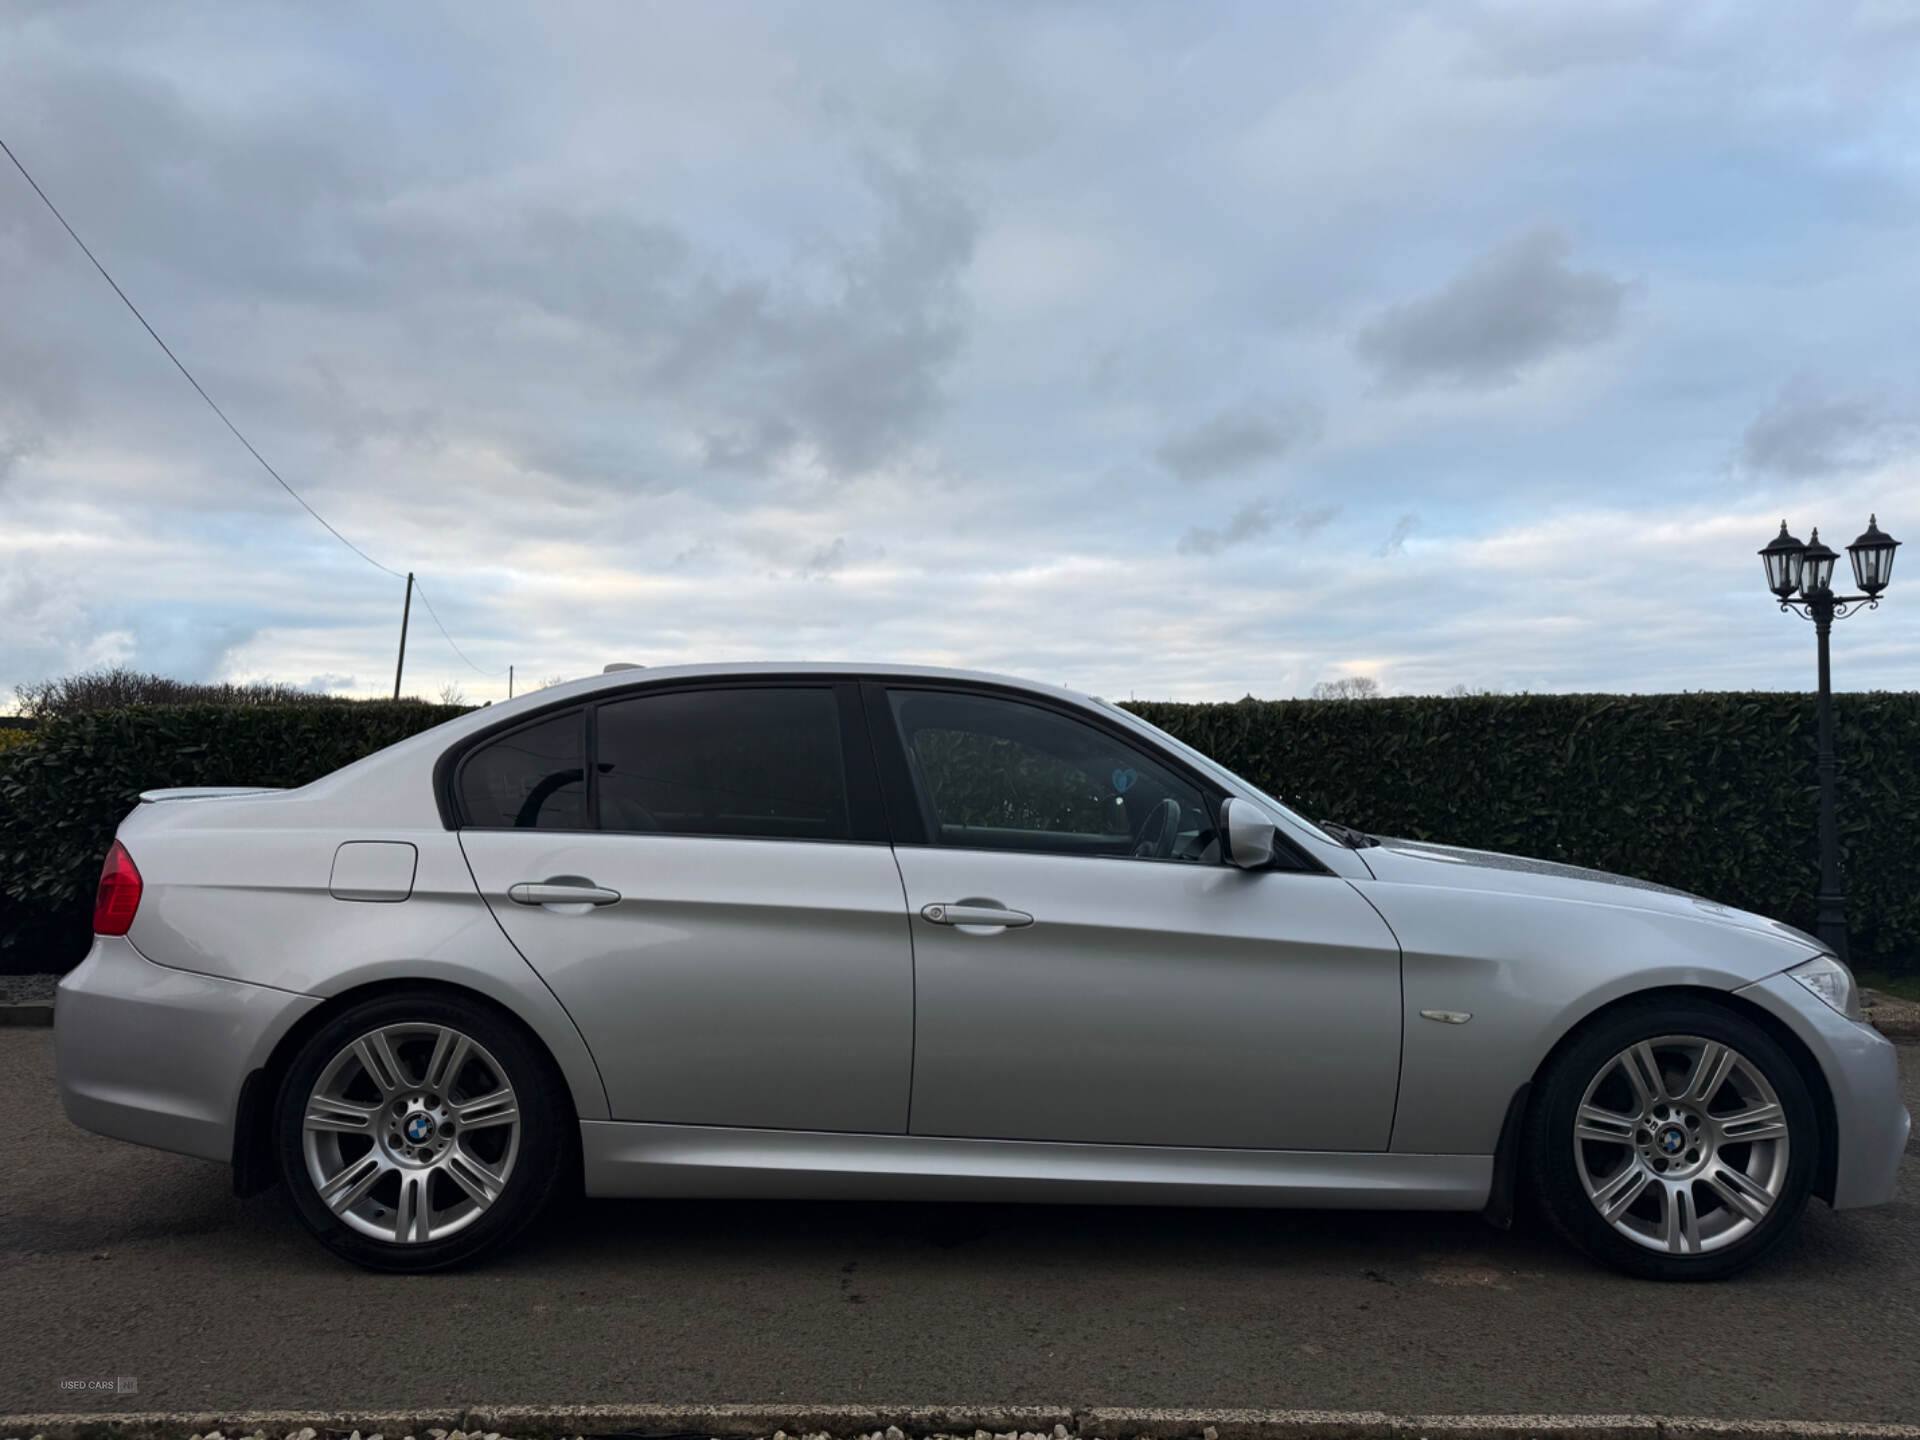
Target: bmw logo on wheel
(419, 1127)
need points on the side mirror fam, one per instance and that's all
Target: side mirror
(1249, 833)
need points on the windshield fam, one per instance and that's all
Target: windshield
(1219, 771)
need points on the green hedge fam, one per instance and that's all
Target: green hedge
(62, 797)
(1712, 793)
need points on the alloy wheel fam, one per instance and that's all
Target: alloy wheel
(1682, 1144)
(410, 1133)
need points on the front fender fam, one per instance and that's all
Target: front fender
(1528, 969)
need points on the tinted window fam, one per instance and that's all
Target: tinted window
(999, 774)
(533, 777)
(763, 763)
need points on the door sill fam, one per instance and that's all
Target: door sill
(633, 1159)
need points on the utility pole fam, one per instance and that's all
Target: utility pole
(406, 612)
(509, 682)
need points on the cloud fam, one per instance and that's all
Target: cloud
(1511, 309)
(1396, 541)
(1251, 522)
(1808, 433)
(825, 560)
(618, 326)
(1241, 438)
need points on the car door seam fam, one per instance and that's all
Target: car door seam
(913, 985)
(480, 894)
(1400, 1058)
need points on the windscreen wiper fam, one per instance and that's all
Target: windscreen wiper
(1347, 835)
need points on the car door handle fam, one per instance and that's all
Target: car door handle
(966, 913)
(548, 893)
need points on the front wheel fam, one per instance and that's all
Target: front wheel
(1674, 1140)
(415, 1132)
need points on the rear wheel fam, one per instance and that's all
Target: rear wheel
(416, 1132)
(1674, 1140)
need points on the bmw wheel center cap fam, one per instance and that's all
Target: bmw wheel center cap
(419, 1127)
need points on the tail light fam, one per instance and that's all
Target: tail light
(119, 894)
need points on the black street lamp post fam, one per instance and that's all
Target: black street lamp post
(1808, 569)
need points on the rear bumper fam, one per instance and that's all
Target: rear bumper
(157, 1056)
(1863, 1072)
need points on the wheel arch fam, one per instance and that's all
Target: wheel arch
(253, 1162)
(1796, 1049)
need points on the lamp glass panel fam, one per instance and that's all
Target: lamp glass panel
(1872, 566)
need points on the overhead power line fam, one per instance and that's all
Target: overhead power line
(200, 390)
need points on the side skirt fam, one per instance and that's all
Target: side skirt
(627, 1159)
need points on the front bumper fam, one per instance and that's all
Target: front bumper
(1863, 1072)
(157, 1056)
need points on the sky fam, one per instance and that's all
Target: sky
(1170, 351)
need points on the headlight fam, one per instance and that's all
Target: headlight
(1832, 982)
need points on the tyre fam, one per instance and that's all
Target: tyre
(418, 1131)
(1673, 1140)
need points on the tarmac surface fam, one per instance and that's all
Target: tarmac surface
(119, 1261)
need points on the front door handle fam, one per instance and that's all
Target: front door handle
(551, 892)
(968, 914)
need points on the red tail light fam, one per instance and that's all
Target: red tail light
(119, 893)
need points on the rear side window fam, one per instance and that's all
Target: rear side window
(762, 763)
(531, 778)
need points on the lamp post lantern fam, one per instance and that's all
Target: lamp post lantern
(1808, 569)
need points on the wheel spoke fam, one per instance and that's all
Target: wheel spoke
(1759, 1122)
(1681, 1230)
(1743, 1194)
(411, 1220)
(494, 1108)
(325, 1112)
(1710, 1072)
(480, 1181)
(351, 1185)
(1642, 1067)
(1609, 1127)
(450, 1052)
(1618, 1192)
(380, 1063)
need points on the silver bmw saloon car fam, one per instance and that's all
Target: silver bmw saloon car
(831, 931)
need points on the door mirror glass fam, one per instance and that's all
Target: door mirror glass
(1249, 833)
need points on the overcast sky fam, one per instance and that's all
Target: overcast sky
(1173, 350)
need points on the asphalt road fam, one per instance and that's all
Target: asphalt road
(120, 1261)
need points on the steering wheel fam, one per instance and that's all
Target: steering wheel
(1159, 832)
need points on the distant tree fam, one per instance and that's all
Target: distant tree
(452, 694)
(116, 686)
(1462, 692)
(551, 681)
(1348, 687)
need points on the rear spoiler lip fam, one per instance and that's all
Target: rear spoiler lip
(206, 792)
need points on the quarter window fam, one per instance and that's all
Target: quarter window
(530, 778)
(1001, 775)
(738, 761)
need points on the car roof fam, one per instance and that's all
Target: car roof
(655, 674)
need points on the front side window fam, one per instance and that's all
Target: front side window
(1001, 774)
(763, 763)
(531, 778)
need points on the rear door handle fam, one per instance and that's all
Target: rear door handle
(549, 893)
(965, 913)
